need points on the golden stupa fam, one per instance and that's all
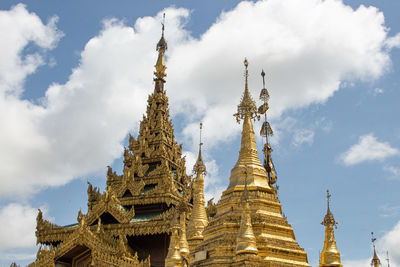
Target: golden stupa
(154, 214)
(330, 256)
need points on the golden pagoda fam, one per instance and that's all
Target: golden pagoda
(154, 214)
(330, 256)
(141, 211)
(243, 235)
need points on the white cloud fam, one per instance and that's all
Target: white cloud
(306, 47)
(18, 28)
(368, 148)
(391, 242)
(393, 42)
(80, 125)
(394, 171)
(18, 226)
(303, 40)
(389, 211)
(378, 91)
(303, 136)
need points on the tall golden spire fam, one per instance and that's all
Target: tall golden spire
(198, 219)
(375, 262)
(330, 255)
(160, 64)
(246, 241)
(248, 156)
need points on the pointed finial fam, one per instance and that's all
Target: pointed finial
(263, 77)
(201, 128)
(329, 219)
(247, 106)
(163, 25)
(328, 197)
(246, 73)
(199, 166)
(160, 64)
(373, 239)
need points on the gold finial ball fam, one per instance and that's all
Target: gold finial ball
(262, 73)
(246, 63)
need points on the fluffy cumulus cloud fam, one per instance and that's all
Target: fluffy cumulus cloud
(391, 242)
(307, 48)
(368, 148)
(79, 126)
(18, 28)
(18, 224)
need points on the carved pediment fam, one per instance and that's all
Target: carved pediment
(109, 203)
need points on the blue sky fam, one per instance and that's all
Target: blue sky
(75, 75)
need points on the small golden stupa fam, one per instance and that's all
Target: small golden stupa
(330, 256)
(375, 262)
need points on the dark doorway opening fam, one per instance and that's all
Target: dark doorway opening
(154, 245)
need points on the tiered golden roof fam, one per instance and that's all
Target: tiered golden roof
(330, 256)
(139, 205)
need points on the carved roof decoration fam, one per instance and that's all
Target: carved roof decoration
(105, 250)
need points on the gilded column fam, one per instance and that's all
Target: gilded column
(330, 256)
